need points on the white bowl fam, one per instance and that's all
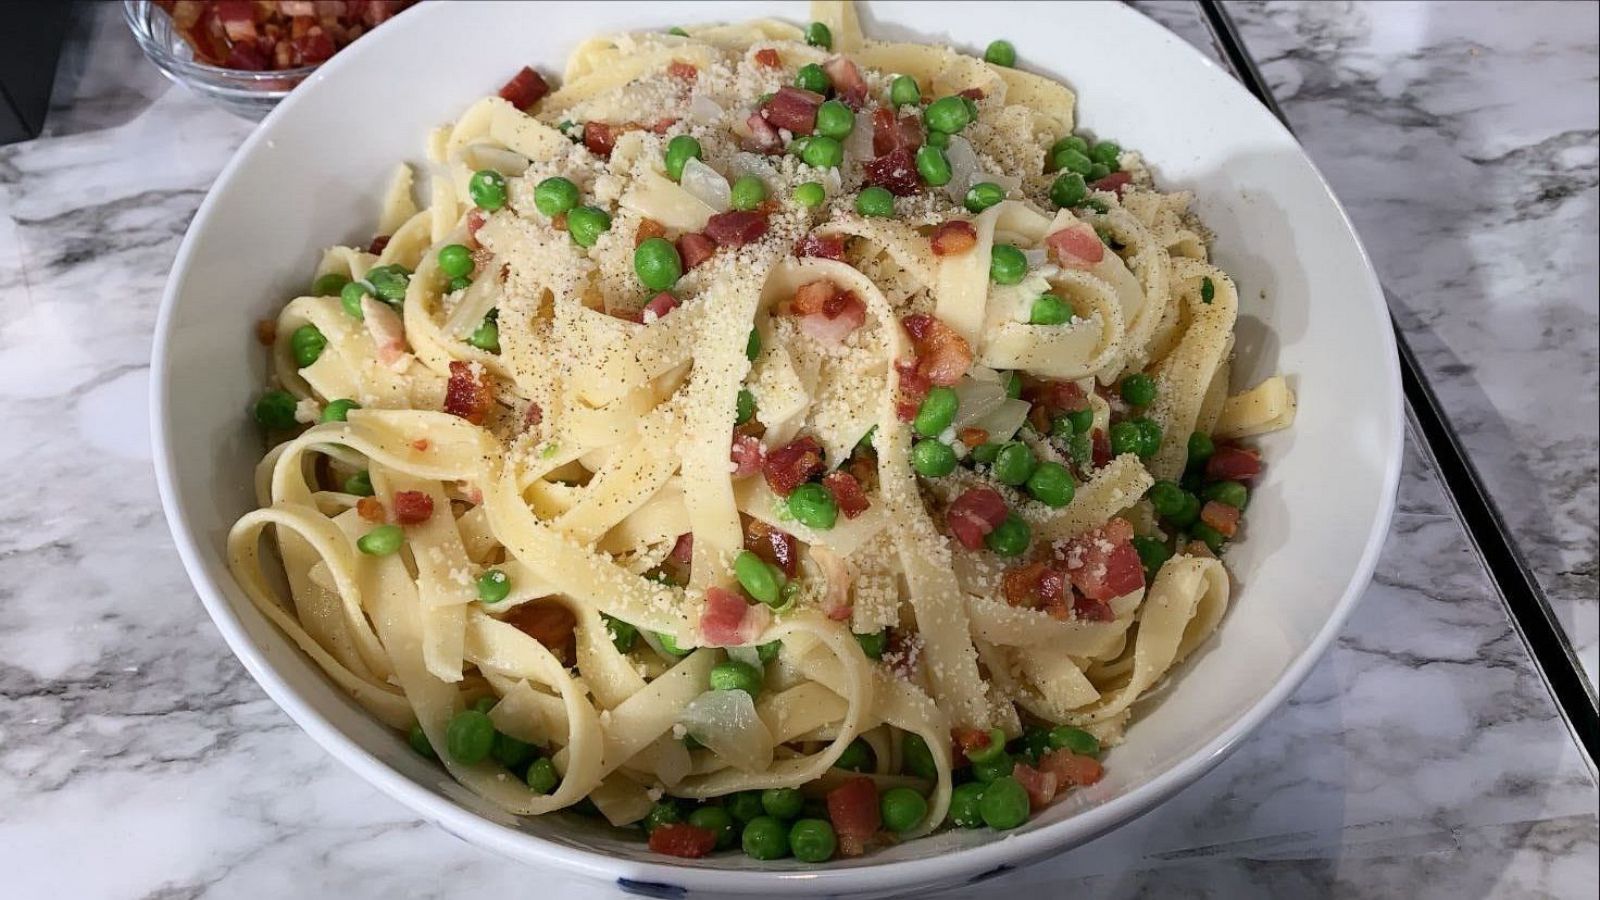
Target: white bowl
(312, 174)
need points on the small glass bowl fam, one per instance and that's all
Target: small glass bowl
(243, 93)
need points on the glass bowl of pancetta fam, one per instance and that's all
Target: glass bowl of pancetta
(493, 423)
(246, 56)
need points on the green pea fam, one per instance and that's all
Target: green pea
(1010, 538)
(933, 166)
(756, 577)
(747, 193)
(493, 586)
(664, 812)
(986, 453)
(810, 194)
(1097, 171)
(675, 30)
(902, 808)
(329, 285)
(1232, 493)
(487, 188)
(983, 195)
(1013, 386)
(823, 152)
(469, 737)
(359, 484)
(819, 35)
(933, 459)
(716, 820)
(459, 284)
(769, 651)
(555, 195)
(1049, 309)
(383, 540)
(307, 343)
(744, 407)
(1106, 153)
(972, 108)
(1166, 498)
(1004, 804)
(390, 283)
(875, 201)
(752, 346)
(965, 802)
(509, 751)
(350, 298)
(744, 806)
(1007, 264)
(835, 120)
(997, 766)
(1034, 743)
(1001, 53)
(1070, 142)
(275, 410)
(867, 440)
(937, 139)
(947, 114)
(782, 803)
(1073, 161)
(1126, 438)
(1188, 514)
(542, 777)
(1139, 389)
(338, 410)
(419, 743)
(1068, 424)
(903, 91)
(455, 260)
(937, 412)
(813, 506)
(812, 840)
(623, 635)
(765, 838)
(669, 644)
(1152, 555)
(586, 224)
(657, 264)
(732, 675)
(1149, 437)
(1080, 447)
(1068, 190)
(811, 77)
(1208, 291)
(1052, 485)
(486, 336)
(484, 704)
(873, 643)
(679, 151)
(1200, 447)
(1211, 537)
(857, 757)
(916, 759)
(1015, 464)
(1066, 737)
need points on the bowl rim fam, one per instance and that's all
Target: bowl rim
(973, 862)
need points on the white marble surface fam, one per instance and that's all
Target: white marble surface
(1422, 757)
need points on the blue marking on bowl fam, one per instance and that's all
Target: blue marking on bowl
(657, 889)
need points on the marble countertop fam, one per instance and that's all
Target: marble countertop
(1422, 756)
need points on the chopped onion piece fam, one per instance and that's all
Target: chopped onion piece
(977, 399)
(480, 155)
(706, 185)
(703, 110)
(1036, 257)
(1003, 420)
(858, 145)
(757, 164)
(750, 656)
(727, 724)
(964, 169)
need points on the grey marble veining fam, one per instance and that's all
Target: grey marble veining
(1421, 757)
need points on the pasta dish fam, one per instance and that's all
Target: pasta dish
(769, 438)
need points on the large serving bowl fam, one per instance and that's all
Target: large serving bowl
(313, 173)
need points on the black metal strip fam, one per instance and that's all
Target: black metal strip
(1519, 591)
